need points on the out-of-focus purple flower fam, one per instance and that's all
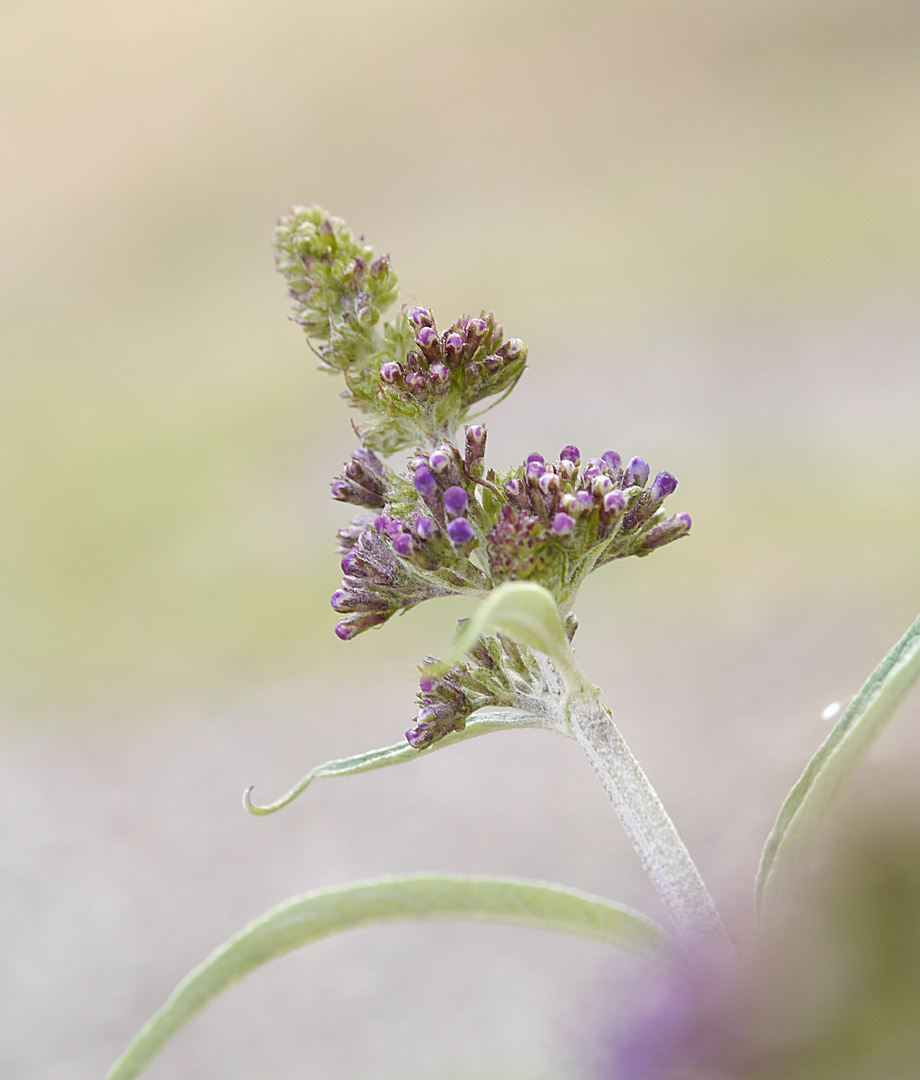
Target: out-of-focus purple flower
(460, 532)
(455, 501)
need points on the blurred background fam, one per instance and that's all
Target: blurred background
(703, 218)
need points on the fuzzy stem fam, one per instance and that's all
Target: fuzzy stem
(648, 826)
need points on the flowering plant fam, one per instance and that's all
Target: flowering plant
(522, 540)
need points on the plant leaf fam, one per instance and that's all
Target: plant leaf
(317, 915)
(478, 724)
(522, 610)
(838, 756)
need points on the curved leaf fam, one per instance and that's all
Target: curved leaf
(523, 611)
(839, 755)
(478, 724)
(317, 915)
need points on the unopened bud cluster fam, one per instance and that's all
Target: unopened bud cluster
(415, 386)
(445, 525)
(499, 673)
(450, 526)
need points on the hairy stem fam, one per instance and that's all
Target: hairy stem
(648, 826)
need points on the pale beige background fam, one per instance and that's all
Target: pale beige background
(703, 217)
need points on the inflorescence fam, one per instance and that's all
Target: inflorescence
(447, 525)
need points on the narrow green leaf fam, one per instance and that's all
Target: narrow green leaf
(317, 915)
(838, 756)
(522, 610)
(480, 724)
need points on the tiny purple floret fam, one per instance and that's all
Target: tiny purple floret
(684, 519)
(389, 372)
(402, 544)
(426, 337)
(439, 373)
(454, 341)
(339, 600)
(460, 531)
(637, 472)
(614, 502)
(439, 460)
(535, 457)
(425, 527)
(476, 433)
(455, 501)
(381, 523)
(341, 490)
(611, 459)
(563, 525)
(425, 482)
(420, 317)
(571, 453)
(662, 486)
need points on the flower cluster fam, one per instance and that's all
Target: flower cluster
(499, 673)
(450, 526)
(414, 385)
(446, 524)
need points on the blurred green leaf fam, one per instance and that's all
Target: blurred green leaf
(317, 915)
(838, 756)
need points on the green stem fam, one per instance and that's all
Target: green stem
(647, 824)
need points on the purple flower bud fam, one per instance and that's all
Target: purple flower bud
(339, 600)
(563, 525)
(637, 472)
(460, 531)
(684, 518)
(548, 483)
(535, 457)
(341, 490)
(477, 328)
(425, 482)
(418, 737)
(426, 527)
(351, 564)
(455, 501)
(535, 470)
(381, 523)
(417, 383)
(568, 502)
(402, 544)
(614, 502)
(612, 460)
(601, 485)
(513, 487)
(427, 684)
(662, 486)
(584, 501)
(439, 374)
(394, 527)
(476, 435)
(454, 342)
(513, 349)
(439, 461)
(352, 625)
(389, 372)
(426, 337)
(571, 453)
(420, 317)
